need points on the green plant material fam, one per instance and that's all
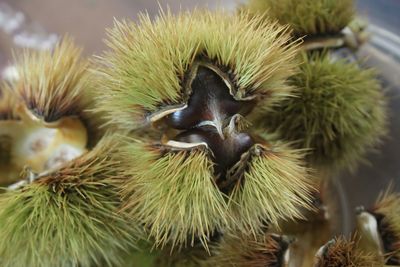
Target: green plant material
(339, 112)
(145, 69)
(244, 251)
(67, 217)
(387, 213)
(306, 17)
(173, 193)
(341, 252)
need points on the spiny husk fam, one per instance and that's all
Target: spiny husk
(173, 194)
(273, 187)
(148, 61)
(51, 102)
(244, 251)
(67, 217)
(306, 17)
(52, 83)
(387, 210)
(341, 252)
(339, 112)
(57, 84)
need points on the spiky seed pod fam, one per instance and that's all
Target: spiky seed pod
(270, 251)
(57, 84)
(339, 113)
(174, 192)
(52, 94)
(53, 84)
(379, 227)
(64, 210)
(307, 17)
(66, 217)
(194, 77)
(323, 24)
(341, 252)
(146, 72)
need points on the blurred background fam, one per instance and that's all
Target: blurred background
(39, 23)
